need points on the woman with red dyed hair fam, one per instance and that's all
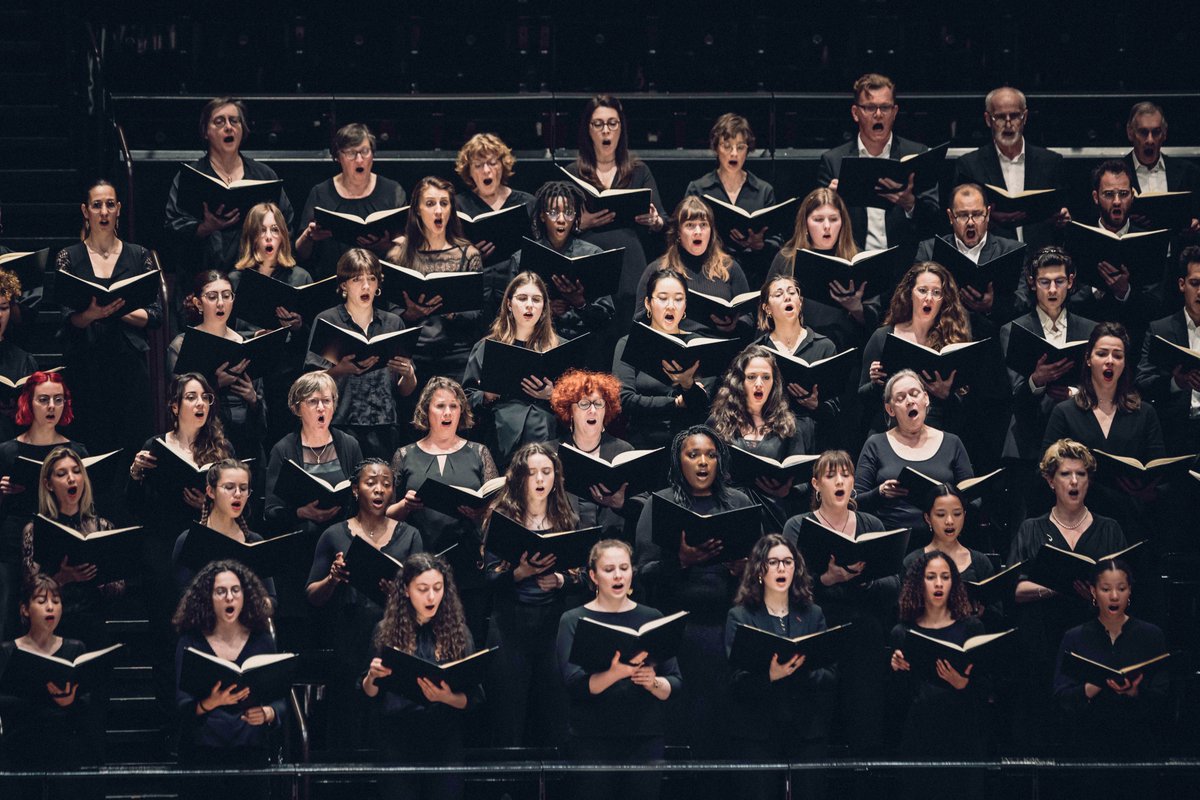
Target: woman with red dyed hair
(43, 405)
(585, 404)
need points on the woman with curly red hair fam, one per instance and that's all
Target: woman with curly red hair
(43, 405)
(947, 705)
(586, 403)
(424, 617)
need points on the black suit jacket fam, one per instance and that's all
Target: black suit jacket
(1031, 412)
(1156, 384)
(1043, 170)
(900, 229)
(1182, 175)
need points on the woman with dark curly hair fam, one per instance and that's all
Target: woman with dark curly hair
(442, 415)
(604, 161)
(585, 404)
(523, 321)
(946, 708)
(697, 580)
(780, 713)
(696, 254)
(43, 404)
(926, 310)
(424, 618)
(616, 715)
(15, 363)
(348, 615)
(433, 241)
(528, 599)
(751, 414)
(225, 612)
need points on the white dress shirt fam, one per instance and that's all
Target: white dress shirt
(876, 217)
(1151, 179)
(1013, 172)
(972, 253)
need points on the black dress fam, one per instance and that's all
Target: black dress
(622, 724)
(387, 194)
(783, 720)
(498, 268)
(777, 510)
(828, 318)
(514, 421)
(648, 401)
(697, 281)
(220, 250)
(879, 462)
(109, 414)
(419, 733)
(633, 238)
(871, 607)
(1042, 623)
(15, 364)
(755, 194)
(819, 424)
(349, 617)
(470, 466)
(616, 524)
(706, 592)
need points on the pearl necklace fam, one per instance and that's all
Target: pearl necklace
(1059, 522)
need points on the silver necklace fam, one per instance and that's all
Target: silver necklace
(319, 455)
(829, 524)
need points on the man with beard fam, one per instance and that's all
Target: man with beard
(1147, 132)
(1014, 164)
(969, 215)
(911, 215)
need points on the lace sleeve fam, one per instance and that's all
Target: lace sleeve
(489, 465)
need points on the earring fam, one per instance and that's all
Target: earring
(342, 292)
(378, 291)
(1094, 605)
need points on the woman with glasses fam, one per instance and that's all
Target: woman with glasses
(43, 405)
(604, 162)
(925, 310)
(356, 190)
(484, 165)
(558, 206)
(101, 342)
(224, 612)
(585, 404)
(781, 710)
(210, 240)
(732, 141)
(911, 442)
(241, 408)
(368, 396)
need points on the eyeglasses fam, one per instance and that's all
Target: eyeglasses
(350, 155)
(205, 398)
(1011, 116)
(50, 400)
(873, 109)
(776, 563)
(587, 405)
(1113, 194)
(317, 402)
(493, 163)
(601, 124)
(733, 147)
(555, 213)
(228, 591)
(970, 216)
(234, 488)
(219, 122)
(1044, 283)
(213, 297)
(925, 291)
